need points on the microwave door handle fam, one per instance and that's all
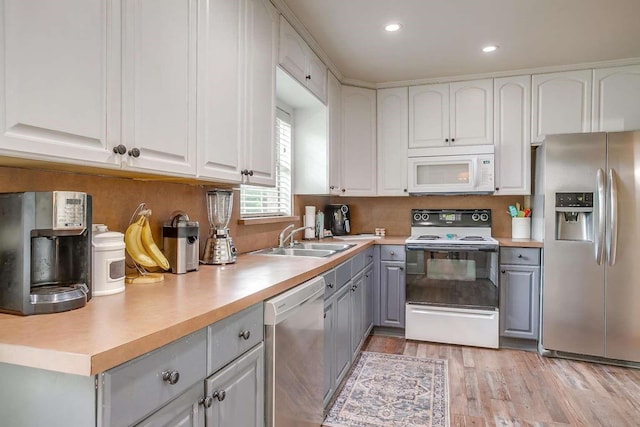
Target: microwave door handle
(600, 236)
(475, 170)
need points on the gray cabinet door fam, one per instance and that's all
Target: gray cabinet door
(329, 351)
(238, 392)
(357, 314)
(185, 411)
(368, 300)
(519, 301)
(342, 329)
(392, 293)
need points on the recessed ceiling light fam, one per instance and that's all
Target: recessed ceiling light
(392, 27)
(490, 48)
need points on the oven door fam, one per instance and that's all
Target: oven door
(464, 276)
(452, 294)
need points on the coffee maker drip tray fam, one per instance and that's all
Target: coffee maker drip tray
(56, 297)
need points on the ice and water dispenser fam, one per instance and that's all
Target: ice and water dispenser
(574, 216)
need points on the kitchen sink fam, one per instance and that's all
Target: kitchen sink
(325, 246)
(296, 251)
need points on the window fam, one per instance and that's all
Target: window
(265, 201)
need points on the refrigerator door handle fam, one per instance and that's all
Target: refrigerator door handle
(599, 246)
(613, 217)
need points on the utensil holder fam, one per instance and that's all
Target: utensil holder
(521, 228)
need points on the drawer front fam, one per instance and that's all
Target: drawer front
(357, 263)
(139, 387)
(392, 253)
(330, 283)
(525, 256)
(343, 273)
(368, 256)
(232, 336)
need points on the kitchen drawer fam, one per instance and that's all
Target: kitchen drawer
(232, 336)
(368, 256)
(343, 274)
(392, 253)
(330, 283)
(357, 263)
(137, 388)
(524, 256)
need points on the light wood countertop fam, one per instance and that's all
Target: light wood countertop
(113, 329)
(519, 243)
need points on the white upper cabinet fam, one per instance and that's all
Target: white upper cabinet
(471, 112)
(220, 41)
(301, 62)
(512, 101)
(561, 103)
(459, 113)
(334, 133)
(53, 80)
(260, 95)
(358, 141)
(159, 85)
(393, 140)
(429, 116)
(616, 99)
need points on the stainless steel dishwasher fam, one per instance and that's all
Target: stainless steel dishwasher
(294, 326)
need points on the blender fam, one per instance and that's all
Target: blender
(219, 248)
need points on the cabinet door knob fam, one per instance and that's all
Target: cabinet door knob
(206, 401)
(220, 395)
(392, 253)
(503, 271)
(332, 187)
(134, 152)
(520, 256)
(330, 285)
(405, 190)
(343, 190)
(308, 77)
(453, 139)
(170, 376)
(401, 268)
(244, 172)
(251, 173)
(245, 335)
(446, 140)
(120, 149)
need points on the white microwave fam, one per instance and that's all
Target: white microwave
(454, 174)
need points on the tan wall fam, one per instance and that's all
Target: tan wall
(394, 213)
(115, 199)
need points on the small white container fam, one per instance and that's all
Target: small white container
(521, 228)
(310, 221)
(108, 261)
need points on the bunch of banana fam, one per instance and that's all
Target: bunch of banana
(141, 247)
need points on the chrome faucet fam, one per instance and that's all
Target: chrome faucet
(282, 239)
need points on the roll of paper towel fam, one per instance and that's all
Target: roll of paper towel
(310, 221)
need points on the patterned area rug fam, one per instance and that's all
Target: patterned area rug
(388, 390)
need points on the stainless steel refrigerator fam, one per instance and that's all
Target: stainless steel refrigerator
(591, 230)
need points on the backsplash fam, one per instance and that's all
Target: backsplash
(115, 199)
(394, 213)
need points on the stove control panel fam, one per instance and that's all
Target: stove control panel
(450, 217)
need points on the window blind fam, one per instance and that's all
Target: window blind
(258, 201)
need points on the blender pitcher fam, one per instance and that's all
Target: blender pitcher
(219, 248)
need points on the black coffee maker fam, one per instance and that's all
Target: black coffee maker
(337, 219)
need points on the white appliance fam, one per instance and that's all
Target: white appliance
(452, 278)
(452, 170)
(587, 187)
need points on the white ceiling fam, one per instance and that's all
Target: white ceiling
(444, 37)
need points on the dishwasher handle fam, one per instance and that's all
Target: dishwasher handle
(280, 307)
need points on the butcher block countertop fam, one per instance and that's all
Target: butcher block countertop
(113, 329)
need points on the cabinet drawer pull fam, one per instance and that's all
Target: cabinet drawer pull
(245, 335)
(503, 271)
(206, 401)
(170, 376)
(520, 256)
(392, 253)
(220, 395)
(330, 285)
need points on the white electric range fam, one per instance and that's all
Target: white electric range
(452, 278)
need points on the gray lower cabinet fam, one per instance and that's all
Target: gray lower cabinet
(348, 309)
(519, 294)
(235, 394)
(392, 284)
(185, 411)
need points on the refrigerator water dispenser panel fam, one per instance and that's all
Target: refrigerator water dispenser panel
(574, 216)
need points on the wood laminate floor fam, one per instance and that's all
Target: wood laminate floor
(518, 388)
